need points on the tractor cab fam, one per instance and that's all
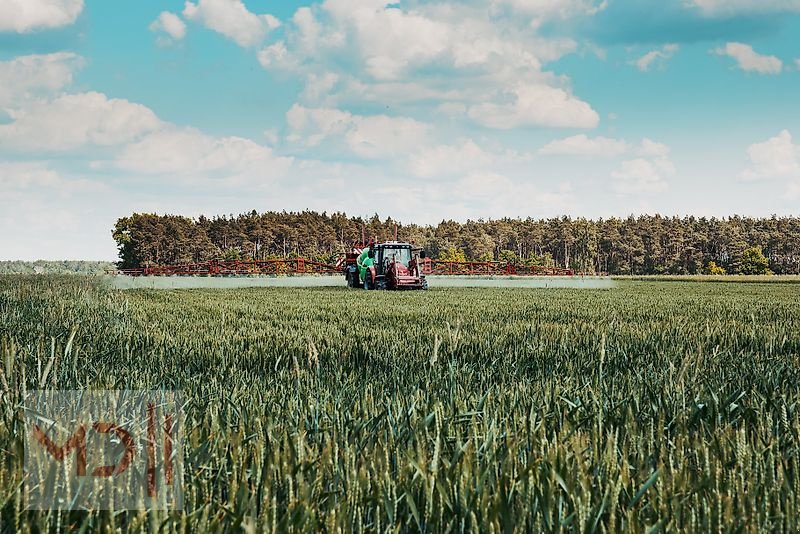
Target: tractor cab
(389, 253)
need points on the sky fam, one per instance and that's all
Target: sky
(418, 110)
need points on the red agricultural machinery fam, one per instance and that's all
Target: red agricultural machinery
(377, 265)
(391, 265)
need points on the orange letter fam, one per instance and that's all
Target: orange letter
(168, 473)
(151, 450)
(108, 470)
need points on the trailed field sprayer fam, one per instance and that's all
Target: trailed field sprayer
(374, 265)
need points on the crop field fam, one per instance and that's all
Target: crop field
(651, 406)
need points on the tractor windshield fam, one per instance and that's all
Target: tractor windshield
(402, 255)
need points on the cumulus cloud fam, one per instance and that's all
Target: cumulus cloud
(653, 149)
(23, 16)
(26, 174)
(661, 55)
(749, 60)
(27, 77)
(232, 19)
(777, 157)
(189, 152)
(563, 9)
(350, 51)
(367, 136)
(646, 174)
(536, 105)
(21, 177)
(486, 193)
(170, 24)
(444, 160)
(639, 176)
(402, 143)
(581, 145)
(41, 118)
(73, 121)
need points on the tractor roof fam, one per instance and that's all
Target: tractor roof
(393, 244)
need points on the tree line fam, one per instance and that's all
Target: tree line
(647, 244)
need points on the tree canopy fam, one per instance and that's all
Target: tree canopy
(633, 245)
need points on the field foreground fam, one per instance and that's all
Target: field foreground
(654, 405)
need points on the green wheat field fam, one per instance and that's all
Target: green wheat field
(653, 406)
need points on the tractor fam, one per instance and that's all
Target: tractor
(388, 265)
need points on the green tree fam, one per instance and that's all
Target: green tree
(508, 255)
(754, 262)
(232, 254)
(452, 254)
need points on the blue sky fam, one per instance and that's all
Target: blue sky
(415, 109)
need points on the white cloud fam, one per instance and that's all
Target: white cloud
(732, 7)
(663, 54)
(563, 9)
(312, 126)
(652, 149)
(536, 105)
(482, 184)
(749, 60)
(390, 40)
(352, 51)
(443, 160)
(778, 157)
(232, 19)
(367, 136)
(27, 77)
(189, 152)
(23, 16)
(26, 174)
(319, 85)
(403, 143)
(74, 121)
(277, 55)
(383, 136)
(484, 194)
(48, 213)
(171, 24)
(797, 63)
(581, 145)
(639, 176)
(646, 174)
(271, 135)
